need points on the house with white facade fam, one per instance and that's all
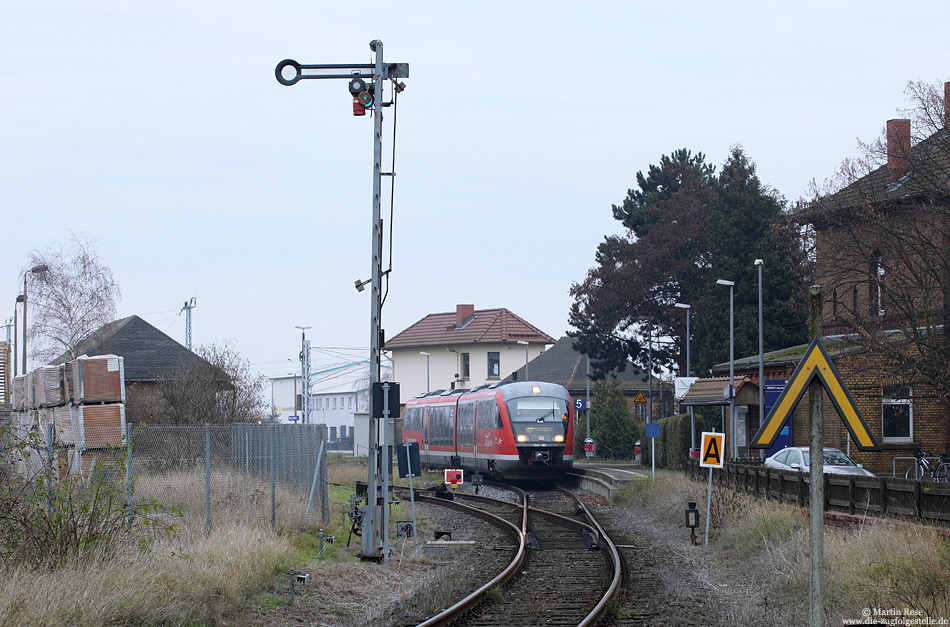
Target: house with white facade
(333, 408)
(464, 348)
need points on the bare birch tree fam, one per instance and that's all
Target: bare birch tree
(73, 297)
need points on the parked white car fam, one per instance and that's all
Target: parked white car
(835, 461)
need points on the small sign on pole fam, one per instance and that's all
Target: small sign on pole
(710, 456)
(454, 477)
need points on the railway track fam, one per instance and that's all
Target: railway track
(564, 569)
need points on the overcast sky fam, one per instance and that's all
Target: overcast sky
(158, 131)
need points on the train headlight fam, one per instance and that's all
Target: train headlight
(559, 438)
(522, 438)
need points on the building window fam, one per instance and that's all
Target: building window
(897, 413)
(466, 362)
(349, 402)
(334, 403)
(494, 365)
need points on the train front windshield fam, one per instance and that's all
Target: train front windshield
(537, 409)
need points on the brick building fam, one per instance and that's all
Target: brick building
(881, 251)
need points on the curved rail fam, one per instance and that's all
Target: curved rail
(614, 556)
(452, 612)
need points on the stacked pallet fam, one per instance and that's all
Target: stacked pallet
(77, 408)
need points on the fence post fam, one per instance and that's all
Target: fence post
(128, 470)
(324, 471)
(50, 434)
(273, 481)
(208, 479)
(313, 484)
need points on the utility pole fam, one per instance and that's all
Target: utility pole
(816, 479)
(304, 374)
(187, 307)
(374, 537)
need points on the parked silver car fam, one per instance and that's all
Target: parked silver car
(835, 461)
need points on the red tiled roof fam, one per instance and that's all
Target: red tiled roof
(487, 326)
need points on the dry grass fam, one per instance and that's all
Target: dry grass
(761, 547)
(202, 578)
(192, 578)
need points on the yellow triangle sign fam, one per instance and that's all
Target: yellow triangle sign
(815, 363)
(640, 398)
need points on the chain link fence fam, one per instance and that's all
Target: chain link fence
(210, 475)
(274, 474)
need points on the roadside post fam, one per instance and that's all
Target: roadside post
(711, 457)
(816, 374)
(653, 432)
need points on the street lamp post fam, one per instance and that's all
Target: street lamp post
(732, 373)
(426, 355)
(526, 378)
(35, 270)
(692, 420)
(759, 263)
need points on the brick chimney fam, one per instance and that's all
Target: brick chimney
(463, 313)
(898, 145)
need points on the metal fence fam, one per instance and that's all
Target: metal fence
(213, 475)
(268, 473)
(880, 496)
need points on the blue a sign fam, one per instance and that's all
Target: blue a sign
(653, 429)
(774, 389)
(580, 404)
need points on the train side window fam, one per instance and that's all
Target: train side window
(488, 416)
(466, 424)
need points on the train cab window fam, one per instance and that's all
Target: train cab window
(536, 409)
(488, 415)
(494, 365)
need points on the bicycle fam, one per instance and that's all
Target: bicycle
(923, 468)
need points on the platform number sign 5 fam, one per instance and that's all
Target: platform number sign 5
(580, 404)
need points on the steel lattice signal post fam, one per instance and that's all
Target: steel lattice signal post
(375, 520)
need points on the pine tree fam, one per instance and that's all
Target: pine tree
(611, 423)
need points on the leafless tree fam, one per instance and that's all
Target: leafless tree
(882, 229)
(216, 387)
(73, 297)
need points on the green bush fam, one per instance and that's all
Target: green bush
(672, 448)
(47, 520)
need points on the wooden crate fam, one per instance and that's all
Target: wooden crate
(100, 425)
(98, 379)
(49, 386)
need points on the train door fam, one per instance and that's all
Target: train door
(425, 430)
(465, 430)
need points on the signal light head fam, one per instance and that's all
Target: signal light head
(362, 95)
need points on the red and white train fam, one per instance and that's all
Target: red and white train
(509, 430)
